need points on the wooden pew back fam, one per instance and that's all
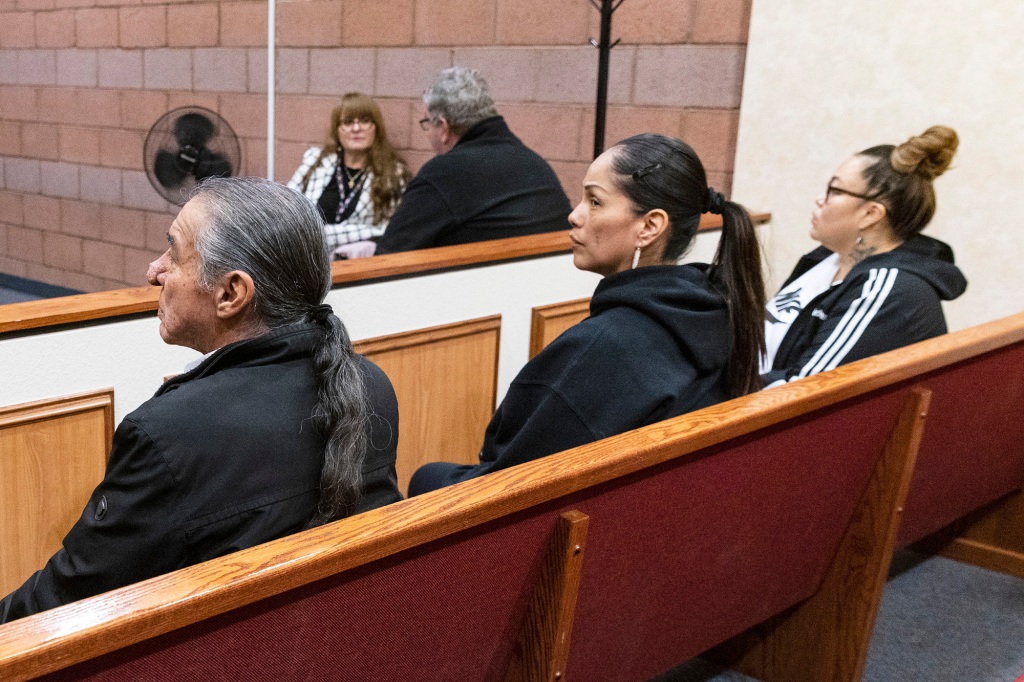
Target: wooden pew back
(698, 528)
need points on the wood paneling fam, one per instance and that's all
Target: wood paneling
(52, 455)
(548, 321)
(446, 381)
(69, 309)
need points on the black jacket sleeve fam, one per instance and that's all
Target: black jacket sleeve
(129, 531)
(868, 321)
(421, 218)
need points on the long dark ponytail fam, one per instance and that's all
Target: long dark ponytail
(276, 236)
(657, 171)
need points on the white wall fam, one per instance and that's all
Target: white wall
(825, 79)
(130, 357)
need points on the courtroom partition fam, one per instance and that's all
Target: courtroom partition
(648, 548)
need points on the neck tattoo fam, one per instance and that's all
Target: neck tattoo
(862, 251)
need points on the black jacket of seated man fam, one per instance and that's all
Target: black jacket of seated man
(223, 457)
(489, 186)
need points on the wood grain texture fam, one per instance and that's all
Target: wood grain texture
(826, 638)
(548, 321)
(55, 639)
(109, 304)
(446, 380)
(543, 646)
(991, 537)
(52, 454)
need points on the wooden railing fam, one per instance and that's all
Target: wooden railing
(84, 630)
(109, 304)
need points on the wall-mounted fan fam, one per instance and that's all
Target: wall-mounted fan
(187, 145)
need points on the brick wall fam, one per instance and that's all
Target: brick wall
(81, 81)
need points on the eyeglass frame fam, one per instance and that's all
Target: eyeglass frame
(831, 190)
(432, 120)
(364, 122)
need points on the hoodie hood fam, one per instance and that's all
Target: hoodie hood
(679, 298)
(932, 261)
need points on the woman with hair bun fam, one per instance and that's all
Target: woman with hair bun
(355, 179)
(662, 339)
(875, 283)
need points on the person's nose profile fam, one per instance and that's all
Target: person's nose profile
(154, 271)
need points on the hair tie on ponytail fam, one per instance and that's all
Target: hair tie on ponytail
(320, 313)
(714, 202)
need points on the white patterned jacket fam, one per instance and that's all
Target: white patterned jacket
(359, 226)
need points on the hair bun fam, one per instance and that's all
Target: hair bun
(928, 154)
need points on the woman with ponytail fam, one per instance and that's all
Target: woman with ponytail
(662, 339)
(875, 283)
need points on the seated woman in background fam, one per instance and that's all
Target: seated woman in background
(662, 339)
(356, 178)
(876, 283)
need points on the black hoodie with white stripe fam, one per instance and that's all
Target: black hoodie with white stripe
(886, 301)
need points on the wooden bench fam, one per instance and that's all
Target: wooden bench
(777, 508)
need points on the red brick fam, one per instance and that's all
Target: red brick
(398, 120)
(25, 244)
(155, 227)
(435, 25)
(17, 29)
(551, 131)
(123, 226)
(100, 108)
(416, 159)
(73, 4)
(142, 27)
(375, 23)
(11, 207)
(721, 181)
(287, 156)
(3, 245)
(243, 24)
(571, 174)
(81, 218)
(103, 260)
(40, 141)
(303, 119)
(32, 5)
(55, 29)
(86, 283)
(721, 21)
(18, 268)
(712, 134)
(10, 138)
(623, 122)
(542, 22)
(406, 72)
(63, 252)
(309, 23)
(96, 27)
(247, 114)
(80, 145)
(193, 25)
(192, 99)
(140, 109)
(44, 273)
(18, 103)
(136, 264)
(58, 105)
(647, 22)
(121, 149)
(254, 157)
(42, 213)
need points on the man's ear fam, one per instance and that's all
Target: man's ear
(233, 294)
(655, 224)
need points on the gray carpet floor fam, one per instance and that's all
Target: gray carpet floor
(940, 621)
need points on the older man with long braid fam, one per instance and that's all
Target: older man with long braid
(278, 427)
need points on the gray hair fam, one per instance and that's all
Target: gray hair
(461, 96)
(276, 236)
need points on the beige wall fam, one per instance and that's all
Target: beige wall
(826, 79)
(81, 81)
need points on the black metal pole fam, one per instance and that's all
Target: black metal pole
(604, 48)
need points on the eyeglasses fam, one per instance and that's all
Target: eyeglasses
(425, 123)
(364, 122)
(832, 191)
